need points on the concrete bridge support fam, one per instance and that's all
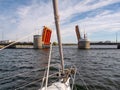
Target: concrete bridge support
(118, 46)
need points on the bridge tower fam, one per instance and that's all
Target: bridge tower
(43, 41)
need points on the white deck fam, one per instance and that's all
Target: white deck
(58, 86)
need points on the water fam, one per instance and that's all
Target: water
(99, 69)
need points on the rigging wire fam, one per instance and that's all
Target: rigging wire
(30, 34)
(18, 40)
(10, 77)
(83, 82)
(43, 80)
(74, 78)
(23, 86)
(48, 67)
(28, 84)
(91, 84)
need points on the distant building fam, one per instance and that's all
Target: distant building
(107, 42)
(5, 41)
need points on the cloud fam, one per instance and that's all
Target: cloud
(28, 18)
(32, 17)
(83, 6)
(103, 19)
(105, 22)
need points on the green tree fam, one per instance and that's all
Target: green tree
(55, 43)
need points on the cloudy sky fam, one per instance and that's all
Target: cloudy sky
(99, 18)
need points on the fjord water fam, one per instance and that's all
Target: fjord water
(97, 69)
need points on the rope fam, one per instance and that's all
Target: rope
(17, 40)
(28, 84)
(91, 85)
(25, 73)
(84, 82)
(43, 79)
(34, 82)
(48, 67)
(74, 79)
(18, 75)
(20, 39)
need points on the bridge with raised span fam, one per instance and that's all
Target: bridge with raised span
(18, 45)
(104, 43)
(31, 44)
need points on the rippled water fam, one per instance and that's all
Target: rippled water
(99, 69)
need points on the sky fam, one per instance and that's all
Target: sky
(100, 19)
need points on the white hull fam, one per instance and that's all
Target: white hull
(58, 86)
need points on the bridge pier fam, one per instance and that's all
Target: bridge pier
(37, 42)
(118, 46)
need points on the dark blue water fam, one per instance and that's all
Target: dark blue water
(98, 69)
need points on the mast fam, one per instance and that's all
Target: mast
(116, 37)
(56, 17)
(2, 35)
